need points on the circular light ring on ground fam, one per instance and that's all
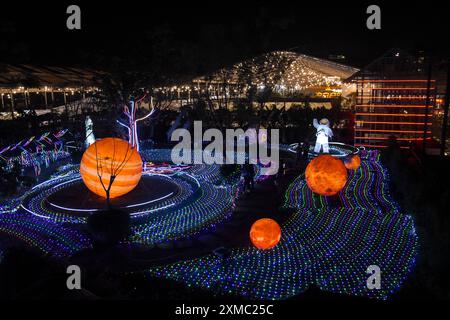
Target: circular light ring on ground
(337, 149)
(37, 202)
(205, 199)
(60, 197)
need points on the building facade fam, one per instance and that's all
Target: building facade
(395, 99)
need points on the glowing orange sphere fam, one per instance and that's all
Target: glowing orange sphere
(353, 162)
(265, 233)
(326, 175)
(111, 156)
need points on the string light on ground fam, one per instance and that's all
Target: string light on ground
(323, 245)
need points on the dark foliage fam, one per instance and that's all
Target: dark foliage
(109, 227)
(422, 189)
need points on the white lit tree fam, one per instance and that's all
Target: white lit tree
(131, 114)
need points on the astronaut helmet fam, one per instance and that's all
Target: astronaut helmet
(324, 122)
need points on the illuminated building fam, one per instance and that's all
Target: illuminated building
(287, 77)
(394, 99)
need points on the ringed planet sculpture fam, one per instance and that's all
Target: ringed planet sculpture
(111, 165)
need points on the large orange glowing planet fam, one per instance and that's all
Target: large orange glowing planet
(326, 175)
(265, 233)
(111, 157)
(353, 162)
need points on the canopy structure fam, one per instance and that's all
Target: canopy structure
(36, 78)
(283, 70)
(24, 87)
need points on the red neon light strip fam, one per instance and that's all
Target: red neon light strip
(406, 88)
(399, 131)
(375, 146)
(384, 138)
(391, 122)
(393, 80)
(410, 97)
(391, 114)
(390, 106)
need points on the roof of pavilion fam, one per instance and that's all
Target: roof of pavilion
(31, 76)
(283, 69)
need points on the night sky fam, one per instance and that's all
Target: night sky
(194, 38)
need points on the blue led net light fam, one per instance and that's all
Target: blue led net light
(203, 199)
(321, 245)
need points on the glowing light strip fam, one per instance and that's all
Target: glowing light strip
(394, 88)
(376, 146)
(153, 210)
(34, 213)
(408, 97)
(391, 105)
(198, 183)
(129, 206)
(399, 131)
(65, 182)
(71, 209)
(392, 114)
(394, 122)
(151, 201)
(394, 80)
(384, 138)
(42, 183)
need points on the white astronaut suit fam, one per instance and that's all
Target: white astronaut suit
(323, 133)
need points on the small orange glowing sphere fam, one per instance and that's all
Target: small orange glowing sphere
(326, 175)
(353, 162)
(111, 156)
(265, 233)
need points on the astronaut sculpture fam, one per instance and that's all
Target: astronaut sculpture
(323, 134)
